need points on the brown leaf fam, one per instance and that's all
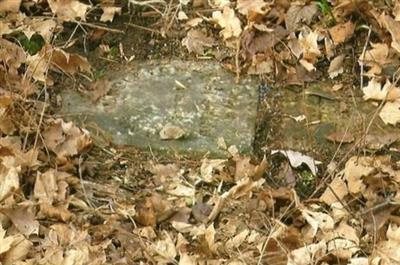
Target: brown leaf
(68, 10)
(336, 66)
(229, 22)
(246, 7)
(393, 27)
(10, 5)
(341, 32)
(298, 14)
(109, 13)
(69, 63)
(65, 139)
(23, 217)
(60, 213)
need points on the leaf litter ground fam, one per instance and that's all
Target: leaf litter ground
(69, 197)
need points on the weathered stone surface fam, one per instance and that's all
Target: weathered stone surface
(199, 97)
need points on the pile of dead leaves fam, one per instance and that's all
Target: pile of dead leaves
(221, 211)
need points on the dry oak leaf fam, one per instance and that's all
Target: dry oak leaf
(23, 218)
(390, 113)
(70, 63)
(68, 10)
(336, 192)
(341, 32)
(10, 5)
(229, 22)
(355, 169)
(298, 14)
(393, 27)
(196, 40)
(65, 139)
(387, 251)
(109, 13)
(246, 7)
(375, 58)
(396, 11)
(375, 91)
(336, 66)
(309, 44)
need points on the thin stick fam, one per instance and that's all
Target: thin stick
(143, 28)
(237, 63)
(90, 25)
(363, 57)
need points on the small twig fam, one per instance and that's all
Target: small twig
(237, 62)
(90, 25)
(363, 57)
(143, 28)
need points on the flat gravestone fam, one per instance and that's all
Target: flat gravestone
(199, 97)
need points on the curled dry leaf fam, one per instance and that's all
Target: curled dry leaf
(296, 159)
(229, 22)
(69, 10)
(109, 13)
(390, 113)
(393, 27)
(65, 139)
(355, 169)
(247, 7)
(376, 58)
(209, 168)
(336, 66)
(375, 91)
(341, 32)
(337, 191)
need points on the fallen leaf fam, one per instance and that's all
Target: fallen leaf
(247, 7)
(109, 13)
(355, 169)
(393, 27)
(23, 218)
(210, 168)
(308, 254)
(68, 10)
(65, 139)
(341, 32)
(336, 66)
(390, 113)
(376, 58)
(229, 22)
(10, 5)
(375, 91)
(296, 159)
(318, 220)
(298, 14)
(337, 191)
